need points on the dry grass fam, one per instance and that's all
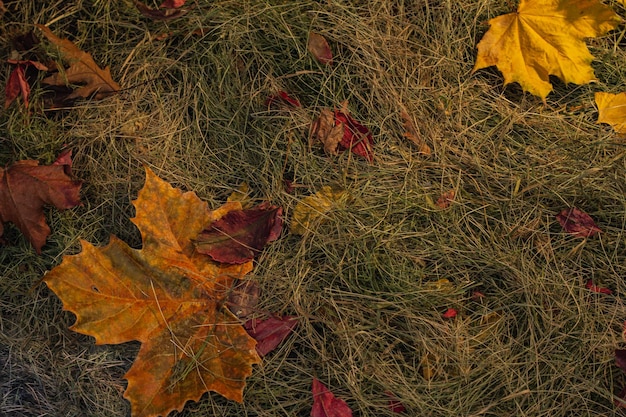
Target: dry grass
(537, 344)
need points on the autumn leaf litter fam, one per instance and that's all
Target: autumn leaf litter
(366, 279)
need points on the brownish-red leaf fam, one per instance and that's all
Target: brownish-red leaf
(282, 97)
(238, 236)
(445, 199)
(159, 14)
(394, 403)
(356, 137)
(577, 222)
(243, 298)
(17, 83)
(270, 332)
(595, 288)
(172, 4)
(26, 186)
(325, 404)
(620, 359)
(319, 48)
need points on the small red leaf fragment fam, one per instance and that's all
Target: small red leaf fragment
(477, 295)
(282, 97)
(16, 84)
(394, 403)
(270, 332)
(450, 313)
(172, 4)
(164, 14)
(594, 288)
(577, 222)
(319, 48)
(325, 404)
(444, 201)
(241, 234)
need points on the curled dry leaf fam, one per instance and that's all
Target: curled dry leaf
(270, 332)
(312, 208)
(327, 132)
(577, 222)
(82, 71)
(325, 404)
(543, 38)
(612, 110)
(338, 131)
(26, 186)
(319, 48)
(240, 235)
(166, 296)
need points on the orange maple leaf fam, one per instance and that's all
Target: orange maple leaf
(166, 296)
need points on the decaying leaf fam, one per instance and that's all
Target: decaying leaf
(445, 199)
(410, 132)
(240, 235)
(319, 48)
(17, 84)
(282, 97)
(325, 404)
(166, 296)
(243, 299)
(595, 288)
(543, 38)
(26, 186)
(612, 110)
(241, 195)
(172, 4)
(577, 222)
(339, 131)
(82, 71)
(620, 359)
(163, 13)
(394, 403)
(270, 332)
(310, 209)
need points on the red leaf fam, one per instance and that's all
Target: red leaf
(394, 403)
(577, 222)
(450, 313)
(325, 404)
(622, 397)
(592, 287)
(172, 4)
(356, 137)
(238, 236)
(620, 359)
(477, 295)
(282, 97)
(25, 187)
(319, 48)
(269, 333)
(16, 84)
(165, 14)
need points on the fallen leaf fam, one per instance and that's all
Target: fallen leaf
(612, 110)
(450, 313)
(282, 97)
(620, 359)
(159, 14)
(327, 132)
(427, 366)
(166, 296)
(325, 404)
(339, 131)
(82, 71)
(270, 332)
(577, 222)
(25, 187)
(319, 48)
(243, 299)
(172, 4)
(394, 403)
(240, 235)
(17, 84)
(594, 288)
(410, 132)
(543, 38)
(443, 284)
(310, 209)
(241, 195)
(445, 199)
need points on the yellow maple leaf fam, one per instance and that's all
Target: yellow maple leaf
(612, 110)
(166, 296)
(313, 207)
(543, 38)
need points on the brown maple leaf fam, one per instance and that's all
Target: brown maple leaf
(26, 186)
(82, 71)
(166, 296)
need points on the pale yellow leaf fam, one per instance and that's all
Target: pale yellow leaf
(312, 208)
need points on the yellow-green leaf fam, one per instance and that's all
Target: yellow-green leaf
(543, 38)
(612, 110)
(312, 208)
